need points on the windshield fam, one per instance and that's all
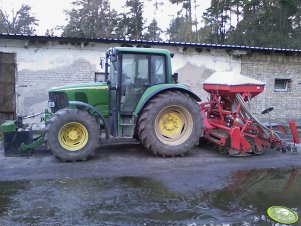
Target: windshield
(139, 69)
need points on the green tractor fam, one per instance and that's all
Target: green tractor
(140, 99)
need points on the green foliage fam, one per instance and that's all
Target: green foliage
(122, 26)
(185, 5)
(179, 30)
(96, 19)
(268, 23)
(20, 22)
(49, 32)
(134, 19)
(91, 18)
(153, 32)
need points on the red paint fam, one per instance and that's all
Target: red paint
(231, 90)
(235, 138)
(294, 130)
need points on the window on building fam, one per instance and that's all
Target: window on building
(99, 76)
(282, 84)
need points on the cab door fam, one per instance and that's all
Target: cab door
(139, 71)
(113, 80)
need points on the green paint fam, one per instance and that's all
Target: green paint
(46, 117)
(95, 94)
(8, 126)
(100, 85)
(143, 50)
(153, 90)
(282, 215)
(164, 52)
(36, 142)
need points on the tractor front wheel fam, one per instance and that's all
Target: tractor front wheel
(72, 134)
(170, 124)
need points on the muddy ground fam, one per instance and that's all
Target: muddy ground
(126, 185)
(204, 167)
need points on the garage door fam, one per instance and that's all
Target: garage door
(7, 86)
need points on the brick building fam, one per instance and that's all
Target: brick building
(30, 65)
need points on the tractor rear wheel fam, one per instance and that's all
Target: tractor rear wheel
(170, 124)
(72, 134)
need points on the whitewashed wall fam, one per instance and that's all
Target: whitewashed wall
(195, 67)
(42, 65)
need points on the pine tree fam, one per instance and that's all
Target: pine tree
(20, 22)
(180, 28)
(153, 31)
(134, 19)
(268, 23)
(91, 18)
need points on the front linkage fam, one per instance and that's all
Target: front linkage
(19, 138)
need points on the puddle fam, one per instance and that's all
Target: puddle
(144, 201)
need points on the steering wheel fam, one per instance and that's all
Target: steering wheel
(126, 80)
(267, 110)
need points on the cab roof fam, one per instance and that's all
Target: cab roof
(143, 50)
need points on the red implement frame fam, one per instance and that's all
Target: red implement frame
(229, 126)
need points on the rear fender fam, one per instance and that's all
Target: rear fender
(154, 90)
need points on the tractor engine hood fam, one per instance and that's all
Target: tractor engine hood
(94, 94)
(80, 86)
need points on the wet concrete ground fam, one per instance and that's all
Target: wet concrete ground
(126, 185)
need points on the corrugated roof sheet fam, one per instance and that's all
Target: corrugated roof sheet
(144, 42)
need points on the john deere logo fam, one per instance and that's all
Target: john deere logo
(282, 215)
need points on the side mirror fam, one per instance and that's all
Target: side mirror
(175, 77)
(114, 57)
(102, 62)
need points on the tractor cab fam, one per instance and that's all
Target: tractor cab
(129, 72)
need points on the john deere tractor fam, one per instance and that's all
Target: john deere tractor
(140, 99)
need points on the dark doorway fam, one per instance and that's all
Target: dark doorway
(7, 86)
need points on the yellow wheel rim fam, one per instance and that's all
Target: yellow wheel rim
(173, 125)
(73, 136)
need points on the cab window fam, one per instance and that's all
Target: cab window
(158, 69)
(135, 69)
(113, 74)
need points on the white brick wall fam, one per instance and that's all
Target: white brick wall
(41, 66)
(267, 67)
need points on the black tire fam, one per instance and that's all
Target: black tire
(164, 110)
(69, 122)
(254, 148)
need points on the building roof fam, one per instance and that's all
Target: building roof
(144, 43)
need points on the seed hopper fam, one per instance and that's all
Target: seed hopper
(230, 123)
